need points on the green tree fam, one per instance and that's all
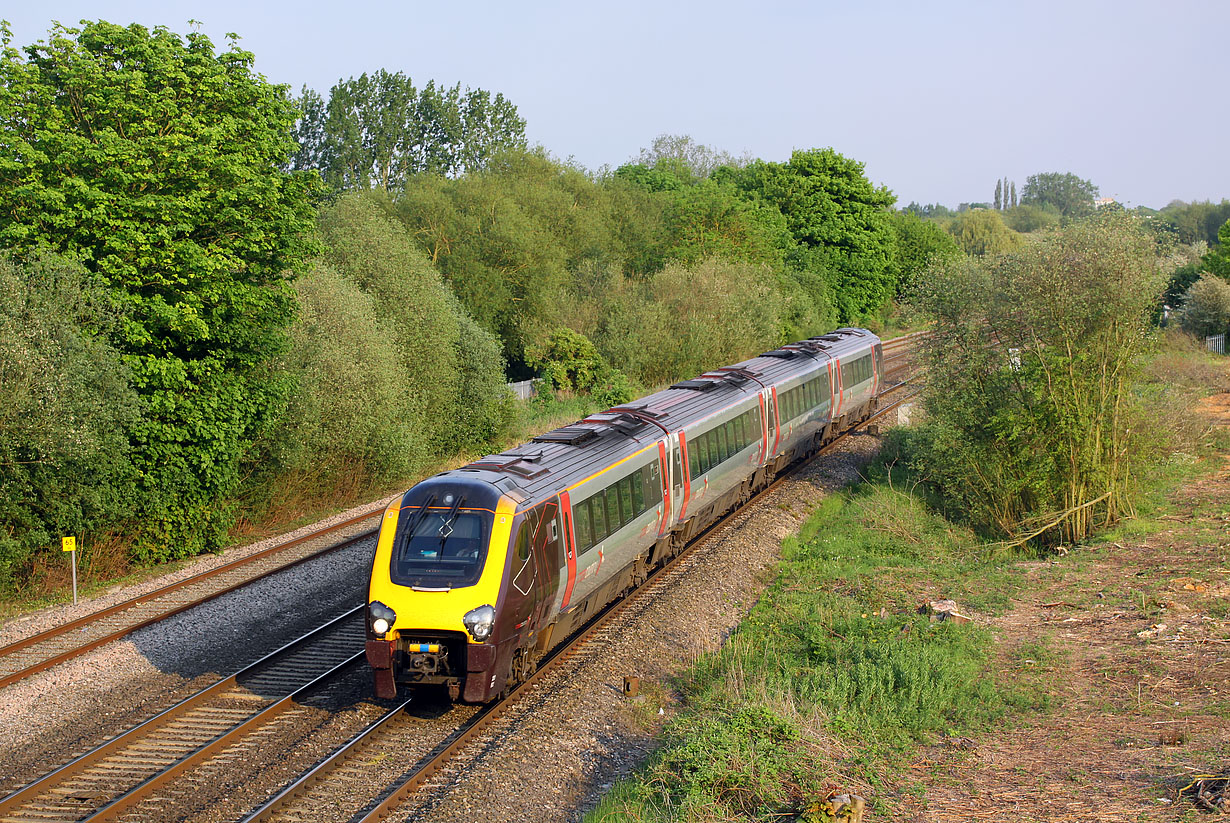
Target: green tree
(376, 131)
(679, 154)
(453, 374)
(1218, 260)
(1205, 308)
(1026, 219)
(1014, 194)
(1069, 194)
(999, 195)
(833, 210)
(919, 244)
(156, 162)
(982, 232)
(1033, 428)
(65, 459)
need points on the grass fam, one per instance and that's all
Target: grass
(834, 673)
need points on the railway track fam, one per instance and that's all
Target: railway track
(347, 772)
(128, 774)
(109, 780)
(44, 650)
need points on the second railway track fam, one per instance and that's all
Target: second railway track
(45, 649)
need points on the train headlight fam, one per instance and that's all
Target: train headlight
(480, 622)
(380, 617)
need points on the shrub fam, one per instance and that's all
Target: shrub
(65, 419)
(1205, 308)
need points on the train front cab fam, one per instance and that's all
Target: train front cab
(435, 590)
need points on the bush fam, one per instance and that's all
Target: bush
(453, 371)
(351, 413)
(68, 408)
(1205, 307)
(1031, 375)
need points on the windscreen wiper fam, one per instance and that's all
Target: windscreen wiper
(452, 513)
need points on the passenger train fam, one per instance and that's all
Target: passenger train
(480, 571)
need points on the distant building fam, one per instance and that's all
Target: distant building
(1103, 201)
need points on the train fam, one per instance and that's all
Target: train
(480, 571)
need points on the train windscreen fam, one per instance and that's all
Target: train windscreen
(441, 548)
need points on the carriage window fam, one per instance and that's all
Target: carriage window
(580, 521)
(597, 516)
(694, 451)
(627, 508)
(638, 481)
(715, 455)
(612, 510)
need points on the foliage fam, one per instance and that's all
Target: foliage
(1065, 192)
(1026, 219)
(931, 211)
(1206, 307)
(1218, 260)
(690, 319)
(570, 363)
(1029, 396)
(683, 157)
(351, 413)
(834, 212)
(1195, 222)
(452, 372)
(155, 162)
(65, 466)
(982, 233)
(919, 242)
(378, 130)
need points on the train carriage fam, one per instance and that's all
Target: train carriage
(480, 571)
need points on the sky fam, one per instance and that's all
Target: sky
(938, 99)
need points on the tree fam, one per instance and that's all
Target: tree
(679, 154)
(1033, 428)
(68, 403)
(999, 194)
(835, 212)
(156, 163)
(920, 244)
(1218, 260)
(375, 131)
(1205, 308)
(1069, 194)
(982, 232)
(1027, 219)
(1014, 194)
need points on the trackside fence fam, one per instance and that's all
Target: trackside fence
(524, 390)
(1216, 343)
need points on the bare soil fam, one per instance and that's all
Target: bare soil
(1129, 643)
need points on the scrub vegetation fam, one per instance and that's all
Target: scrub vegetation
(233, 309)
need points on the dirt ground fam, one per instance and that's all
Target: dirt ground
(1128, 643)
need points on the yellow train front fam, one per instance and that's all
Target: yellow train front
(436, 615)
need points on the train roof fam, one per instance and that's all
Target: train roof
(562, 457)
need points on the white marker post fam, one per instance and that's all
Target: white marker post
(69, 544)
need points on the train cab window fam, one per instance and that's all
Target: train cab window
(440, 548)
(653, 487)
(580, 522)
(523, 541)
